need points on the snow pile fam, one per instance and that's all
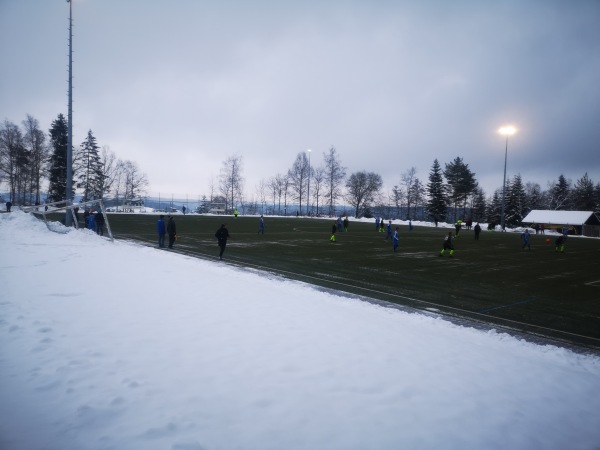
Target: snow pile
(116, 346)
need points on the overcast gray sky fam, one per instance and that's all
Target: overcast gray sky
(180, 86)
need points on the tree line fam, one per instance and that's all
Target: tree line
(451, 192)
(30, 159)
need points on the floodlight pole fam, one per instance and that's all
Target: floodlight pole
(69, 196)
(308, 190)
(504, 185)
(506, 131)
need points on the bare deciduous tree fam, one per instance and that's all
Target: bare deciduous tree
(211, 188)
(279, 186)
(298, 177)
(231, 181)
(109, 166)
(135, 182)
(317, 186)
(35, 142)
(407, 179)
(261, 192)
(419, 193)
(11, 156)
(362, 190)
(334, 174)
(398, 196)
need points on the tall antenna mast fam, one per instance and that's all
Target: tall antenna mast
(69, 198)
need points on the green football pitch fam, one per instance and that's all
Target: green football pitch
(492, 280)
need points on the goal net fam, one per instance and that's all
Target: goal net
(87, 215)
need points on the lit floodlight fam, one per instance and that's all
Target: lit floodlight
(508, 130)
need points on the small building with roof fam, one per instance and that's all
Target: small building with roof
(584, 223)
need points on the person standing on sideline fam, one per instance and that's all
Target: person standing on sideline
(91, 221)
(261, 225)
(525, 239)
(235, 213)
(333, 230)
(171, 231)
(8, 206)
(100, 223)
(222, 235)
(396, 238)
(162, 230)
(448, 245)
(346, 223)
(183, 209)
(339, 224)
(410, 225)
(560, 243)
(477, 230)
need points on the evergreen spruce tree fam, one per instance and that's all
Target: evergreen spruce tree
(460, 183)
(479, 206)
(436, 204)
(57, 189)
(534, 197)
(89, 169)
(560, 194)
(515, 202)
(583, 194)
(494, 209)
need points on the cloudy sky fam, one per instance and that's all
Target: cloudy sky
(180, 86)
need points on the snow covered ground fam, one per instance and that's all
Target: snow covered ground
(117, 346)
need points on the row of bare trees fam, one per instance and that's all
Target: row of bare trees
(452, 192)
(33, 163)
(315, 190)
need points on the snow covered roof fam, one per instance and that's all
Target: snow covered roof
(559, 217)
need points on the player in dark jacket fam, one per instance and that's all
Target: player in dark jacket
(560, 243)
(222, 235)
(448, 245)
(477, 231)
(100, 223)
(171, 231)
(333, 231)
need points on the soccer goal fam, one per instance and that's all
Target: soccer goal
(83, 214)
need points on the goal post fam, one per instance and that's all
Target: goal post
(73, 209)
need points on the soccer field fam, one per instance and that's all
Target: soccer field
(492, 280)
